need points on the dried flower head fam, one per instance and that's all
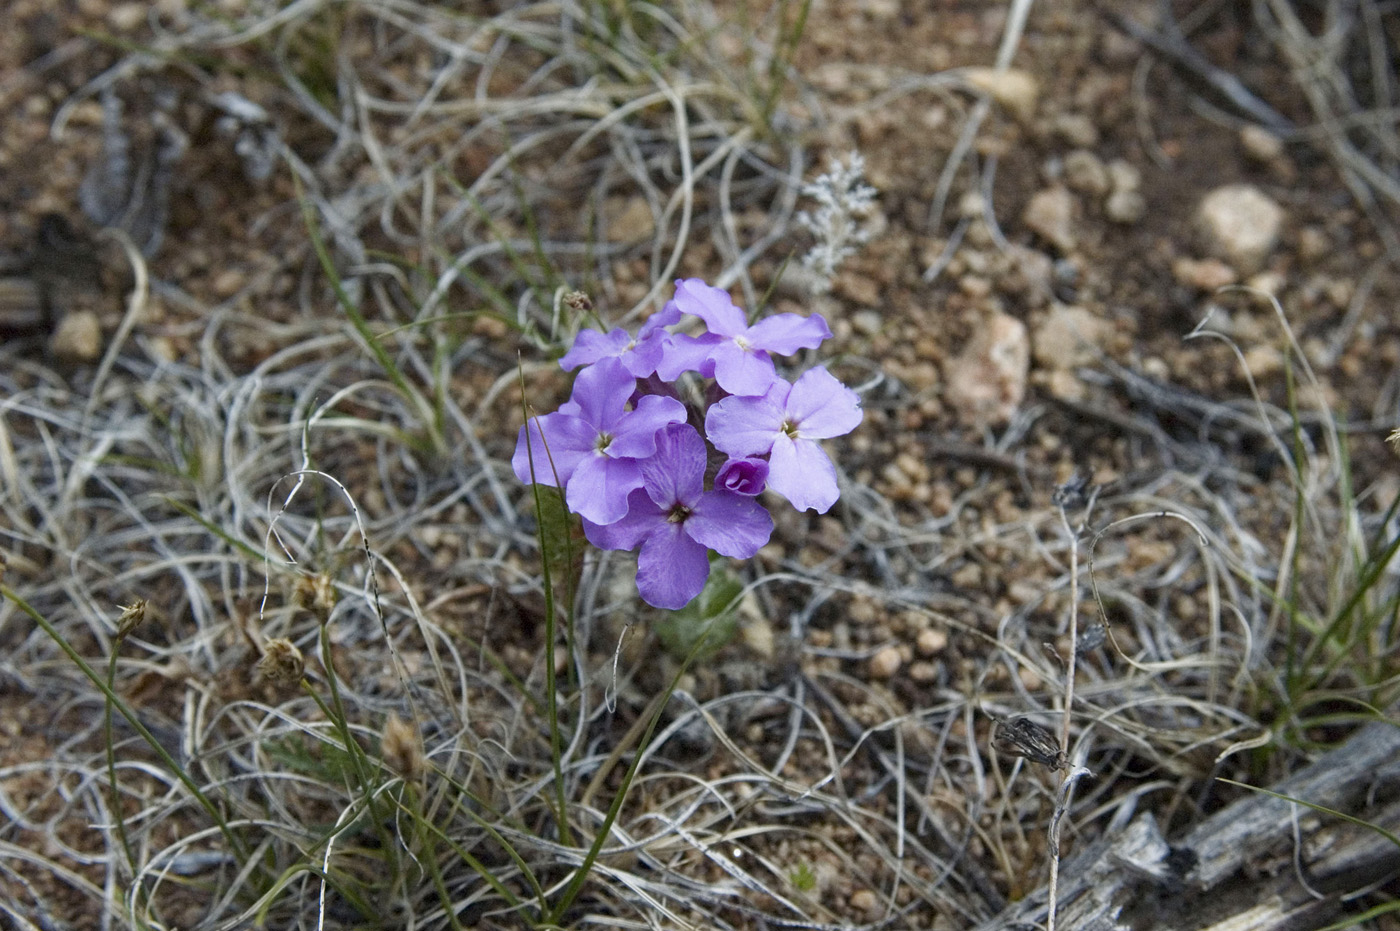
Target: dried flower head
(131, 617)
(578, 302)
(1394, 439)
(402, 747)
(281, 663)
(1025, 738)
(317, 593)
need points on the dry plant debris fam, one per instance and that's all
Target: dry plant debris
(276, 647)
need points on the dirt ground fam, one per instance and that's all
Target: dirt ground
(1018, 319)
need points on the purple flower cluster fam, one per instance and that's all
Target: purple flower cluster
(632, 465)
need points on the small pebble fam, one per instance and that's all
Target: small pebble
(1123, 175)
(127, 17)
(1069, 336)
(1076, 129)
(1050, 215)
(1015, 91)
(923, 671)
(1260, 144)
(931, 641)
(867, 322)
(1240, 224)
(986, 382)
(1086, 172)
(885, 663)
(78, 337)
(1203, 274)
(866, 901)
(1263, 361)
(1125, 207)
(228, 282)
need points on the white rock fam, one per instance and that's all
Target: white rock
(1085, 171)
(1050, 215)
(1015, 91)
(1203, 274)
(1260, 144)
(1076, 129)
(885, 663)
(1241, 224)
(1123, 175)
(986, 382)
(1068, 337)
(1126, 207)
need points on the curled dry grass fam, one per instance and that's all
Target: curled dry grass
(349, 495)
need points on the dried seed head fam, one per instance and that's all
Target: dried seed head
(1394, 439)
(1025, 738)
(578, 302)
(1091, 638)
(317, 594)
(402, 747)
(281, 663)
(131, 617)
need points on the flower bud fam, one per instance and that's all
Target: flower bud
(131, 617)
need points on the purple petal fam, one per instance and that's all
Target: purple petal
(740, 371)
(565, 441)
(642, 358)
(666, 316)
(747, 426)
(787, 333)
(802, 473)
(601, 392)
(685, 353)
(713, 305)
(671, 568)
(599, 487)
(822, 407)
(676, 474)
(634, 435)
(590, 346)
(642, 518)
(730, 524)
(742, 476)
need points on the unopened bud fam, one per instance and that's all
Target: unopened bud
(131, 617)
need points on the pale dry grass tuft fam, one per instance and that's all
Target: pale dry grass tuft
(320, 490)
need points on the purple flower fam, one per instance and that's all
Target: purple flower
(743, 476)
(593, 443)
(638, 356)
(735, 354)
(674, 520)
(785, 424)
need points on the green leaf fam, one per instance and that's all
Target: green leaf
(561, 534)
(710, 615)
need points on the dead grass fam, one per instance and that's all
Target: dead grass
(325, 467)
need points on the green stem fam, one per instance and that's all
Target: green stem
(239, 850)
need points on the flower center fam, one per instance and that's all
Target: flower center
(742, 343)
(790, 427)
(678, 514)
(603, 441)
